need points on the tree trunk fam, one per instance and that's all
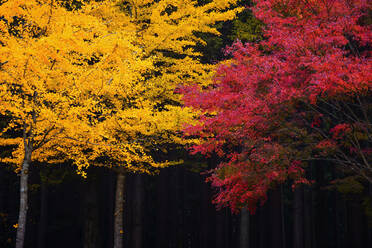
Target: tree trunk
(2, 191)
(119, 205)
(138, 211)
(109, 208)
(263, 227)
(91, 214)
(174, 207)
(369, 230)
(162, 209)
(43, 214)
(205, 217)
(21, 230)
(244, 228)
(284, 238)
(356, 224)
(307, 218)
(220, 224)
(275, 215)
(298, 232)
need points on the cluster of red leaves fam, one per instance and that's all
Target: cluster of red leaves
(312, 49)
(340, 130)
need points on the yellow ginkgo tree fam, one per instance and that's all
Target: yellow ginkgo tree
(97, 84)
(144, 115)
(54, 65)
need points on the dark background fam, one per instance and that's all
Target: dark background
(174, 209)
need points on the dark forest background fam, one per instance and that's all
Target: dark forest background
(174, 209)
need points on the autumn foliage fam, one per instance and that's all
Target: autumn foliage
(145, 114)
(301, 94)
(93, 82)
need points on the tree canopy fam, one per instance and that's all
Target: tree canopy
(299, 95)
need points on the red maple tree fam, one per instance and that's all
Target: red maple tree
(301, 94)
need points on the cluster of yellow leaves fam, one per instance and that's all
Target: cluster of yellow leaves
(97, 84)
(50, 86)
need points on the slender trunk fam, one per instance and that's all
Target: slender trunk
(109, 207)
(220, 237)
(314, 214)
(275, 214)
(189, 222)
(21, 231)
(244, 228)
(138, 211)
(369, 230)
(263, 227)
(174, 207)
(298, 233)
(284, 243)
(307, 218)
(43, 214)
(162, 209)
(340, 221)
(119, 204)
(2, 192)
(206, 233)
(356, 222)
(91, 214)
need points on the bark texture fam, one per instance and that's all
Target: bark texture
(119, 206)
(244, 228)
(298, 222)
(21, 230)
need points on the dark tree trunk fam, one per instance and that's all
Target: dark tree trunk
(220, 229)
(43, 221)
(276, 232)
(356, 225)
(284, 233)
(22, 219)
(119, 206)
(315, 220)
(3, 183)
(307, 218)
(369, 223)
(138, 211)
(244, 229)
(340, 220)
(162, 209)
(206, 215)
(91, 220)
(263, 227)
(298, 233)
(108, 207)
(189, 222)
(129, 210)
(175, 206)
(2, 191)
